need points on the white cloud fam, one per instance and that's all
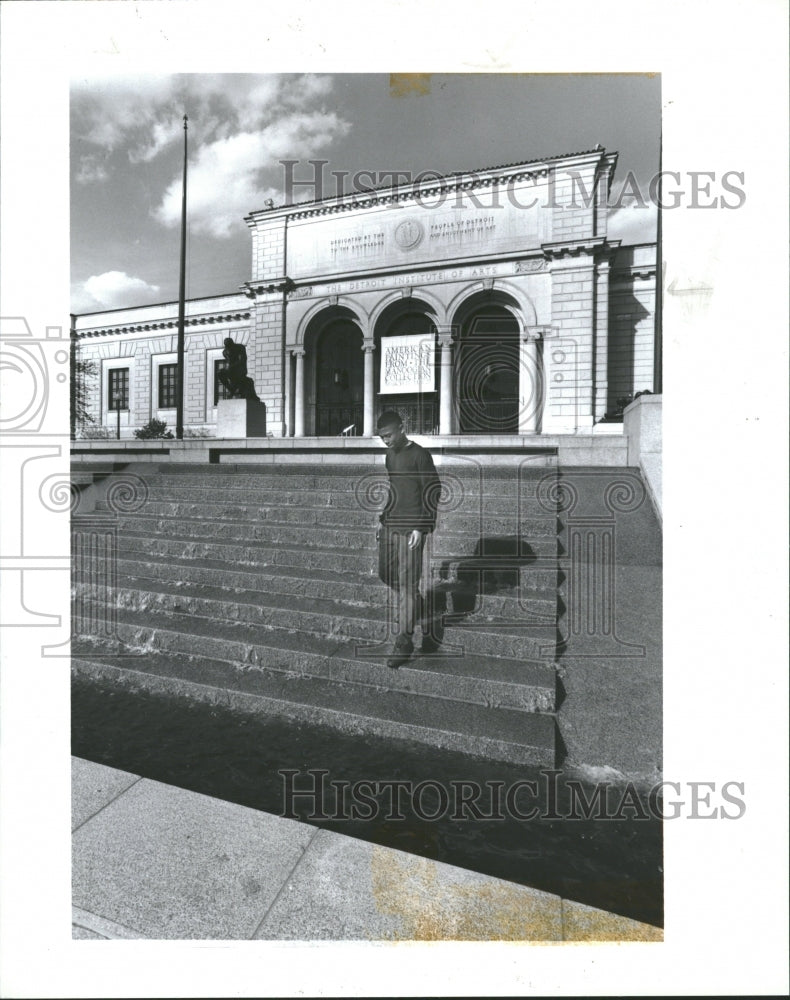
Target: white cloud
(302, 134)
(108, 110)
(255, 105)
(633, 217)
(112, 290)
(633, 224)
(162, 134)
(307, 89)
(224, 181)
(142, 116)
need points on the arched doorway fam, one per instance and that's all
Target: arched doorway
(487, 372)
(419, 410)
(339, 379)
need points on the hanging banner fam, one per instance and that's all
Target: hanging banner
(407, 364)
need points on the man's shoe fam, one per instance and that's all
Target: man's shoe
(429, 644)
(401, 652)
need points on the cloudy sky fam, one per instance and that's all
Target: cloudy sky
(127, 148)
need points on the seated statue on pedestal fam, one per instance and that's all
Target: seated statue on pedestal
(235, 378)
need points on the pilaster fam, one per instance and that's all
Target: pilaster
(445, 343)
(531, 382)
(601, 353)
(265, 353)
(299, 394)
(368, 420)
(570, 403)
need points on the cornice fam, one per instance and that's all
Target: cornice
(576, 248)
(164, 325)
(641, 271)
(252, 289)
(387, 195)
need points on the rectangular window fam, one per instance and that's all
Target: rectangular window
(220, 392)
(167, 387)
(118, 385)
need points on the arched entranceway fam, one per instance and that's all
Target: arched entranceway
(332, 365)
(339, 379)
(487, 372)
(419, 410)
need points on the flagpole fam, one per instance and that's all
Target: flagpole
(181, 302)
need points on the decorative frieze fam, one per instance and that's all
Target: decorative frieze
(529, 266)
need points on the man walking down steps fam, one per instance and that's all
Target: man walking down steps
(408, 517)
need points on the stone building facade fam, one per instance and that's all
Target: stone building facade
(489, 302)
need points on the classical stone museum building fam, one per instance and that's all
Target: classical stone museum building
(488, 302)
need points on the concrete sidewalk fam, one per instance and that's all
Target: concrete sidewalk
(154, 861)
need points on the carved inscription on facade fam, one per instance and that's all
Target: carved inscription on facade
(409, 234)
(461, 230)
(416, 278)
(356, 246)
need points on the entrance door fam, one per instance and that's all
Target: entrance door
(339, 379)
(488, 374)
(419, 410)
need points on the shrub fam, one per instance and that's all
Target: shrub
(96, 433)
(83, 373)
(616, 414)
(153, 429)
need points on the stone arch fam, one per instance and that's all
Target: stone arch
(333, 380)
(357, 313)
(493, 374)
(419, 297)
(502, 293)
(396, 315)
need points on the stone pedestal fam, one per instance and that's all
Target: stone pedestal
(241, 418)
(642, 427)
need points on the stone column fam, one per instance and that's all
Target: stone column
(368, 429)
(299, 395)
(288, 420)
(601, 359)
(530, 383)
(446, 383)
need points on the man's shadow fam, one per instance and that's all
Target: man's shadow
(493, 568)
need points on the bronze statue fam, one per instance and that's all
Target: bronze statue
(235, 378)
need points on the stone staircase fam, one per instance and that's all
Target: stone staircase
(256, 586)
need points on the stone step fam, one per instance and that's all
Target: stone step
(247, 554)
(471, 502)
(526, 685)
(328, 515)
(319, 473)
(365, 590)
(496, 733)
(443, 543)
(538, 574)
(352, 482)
(519, 638)
(86, 473)
(507, 603)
